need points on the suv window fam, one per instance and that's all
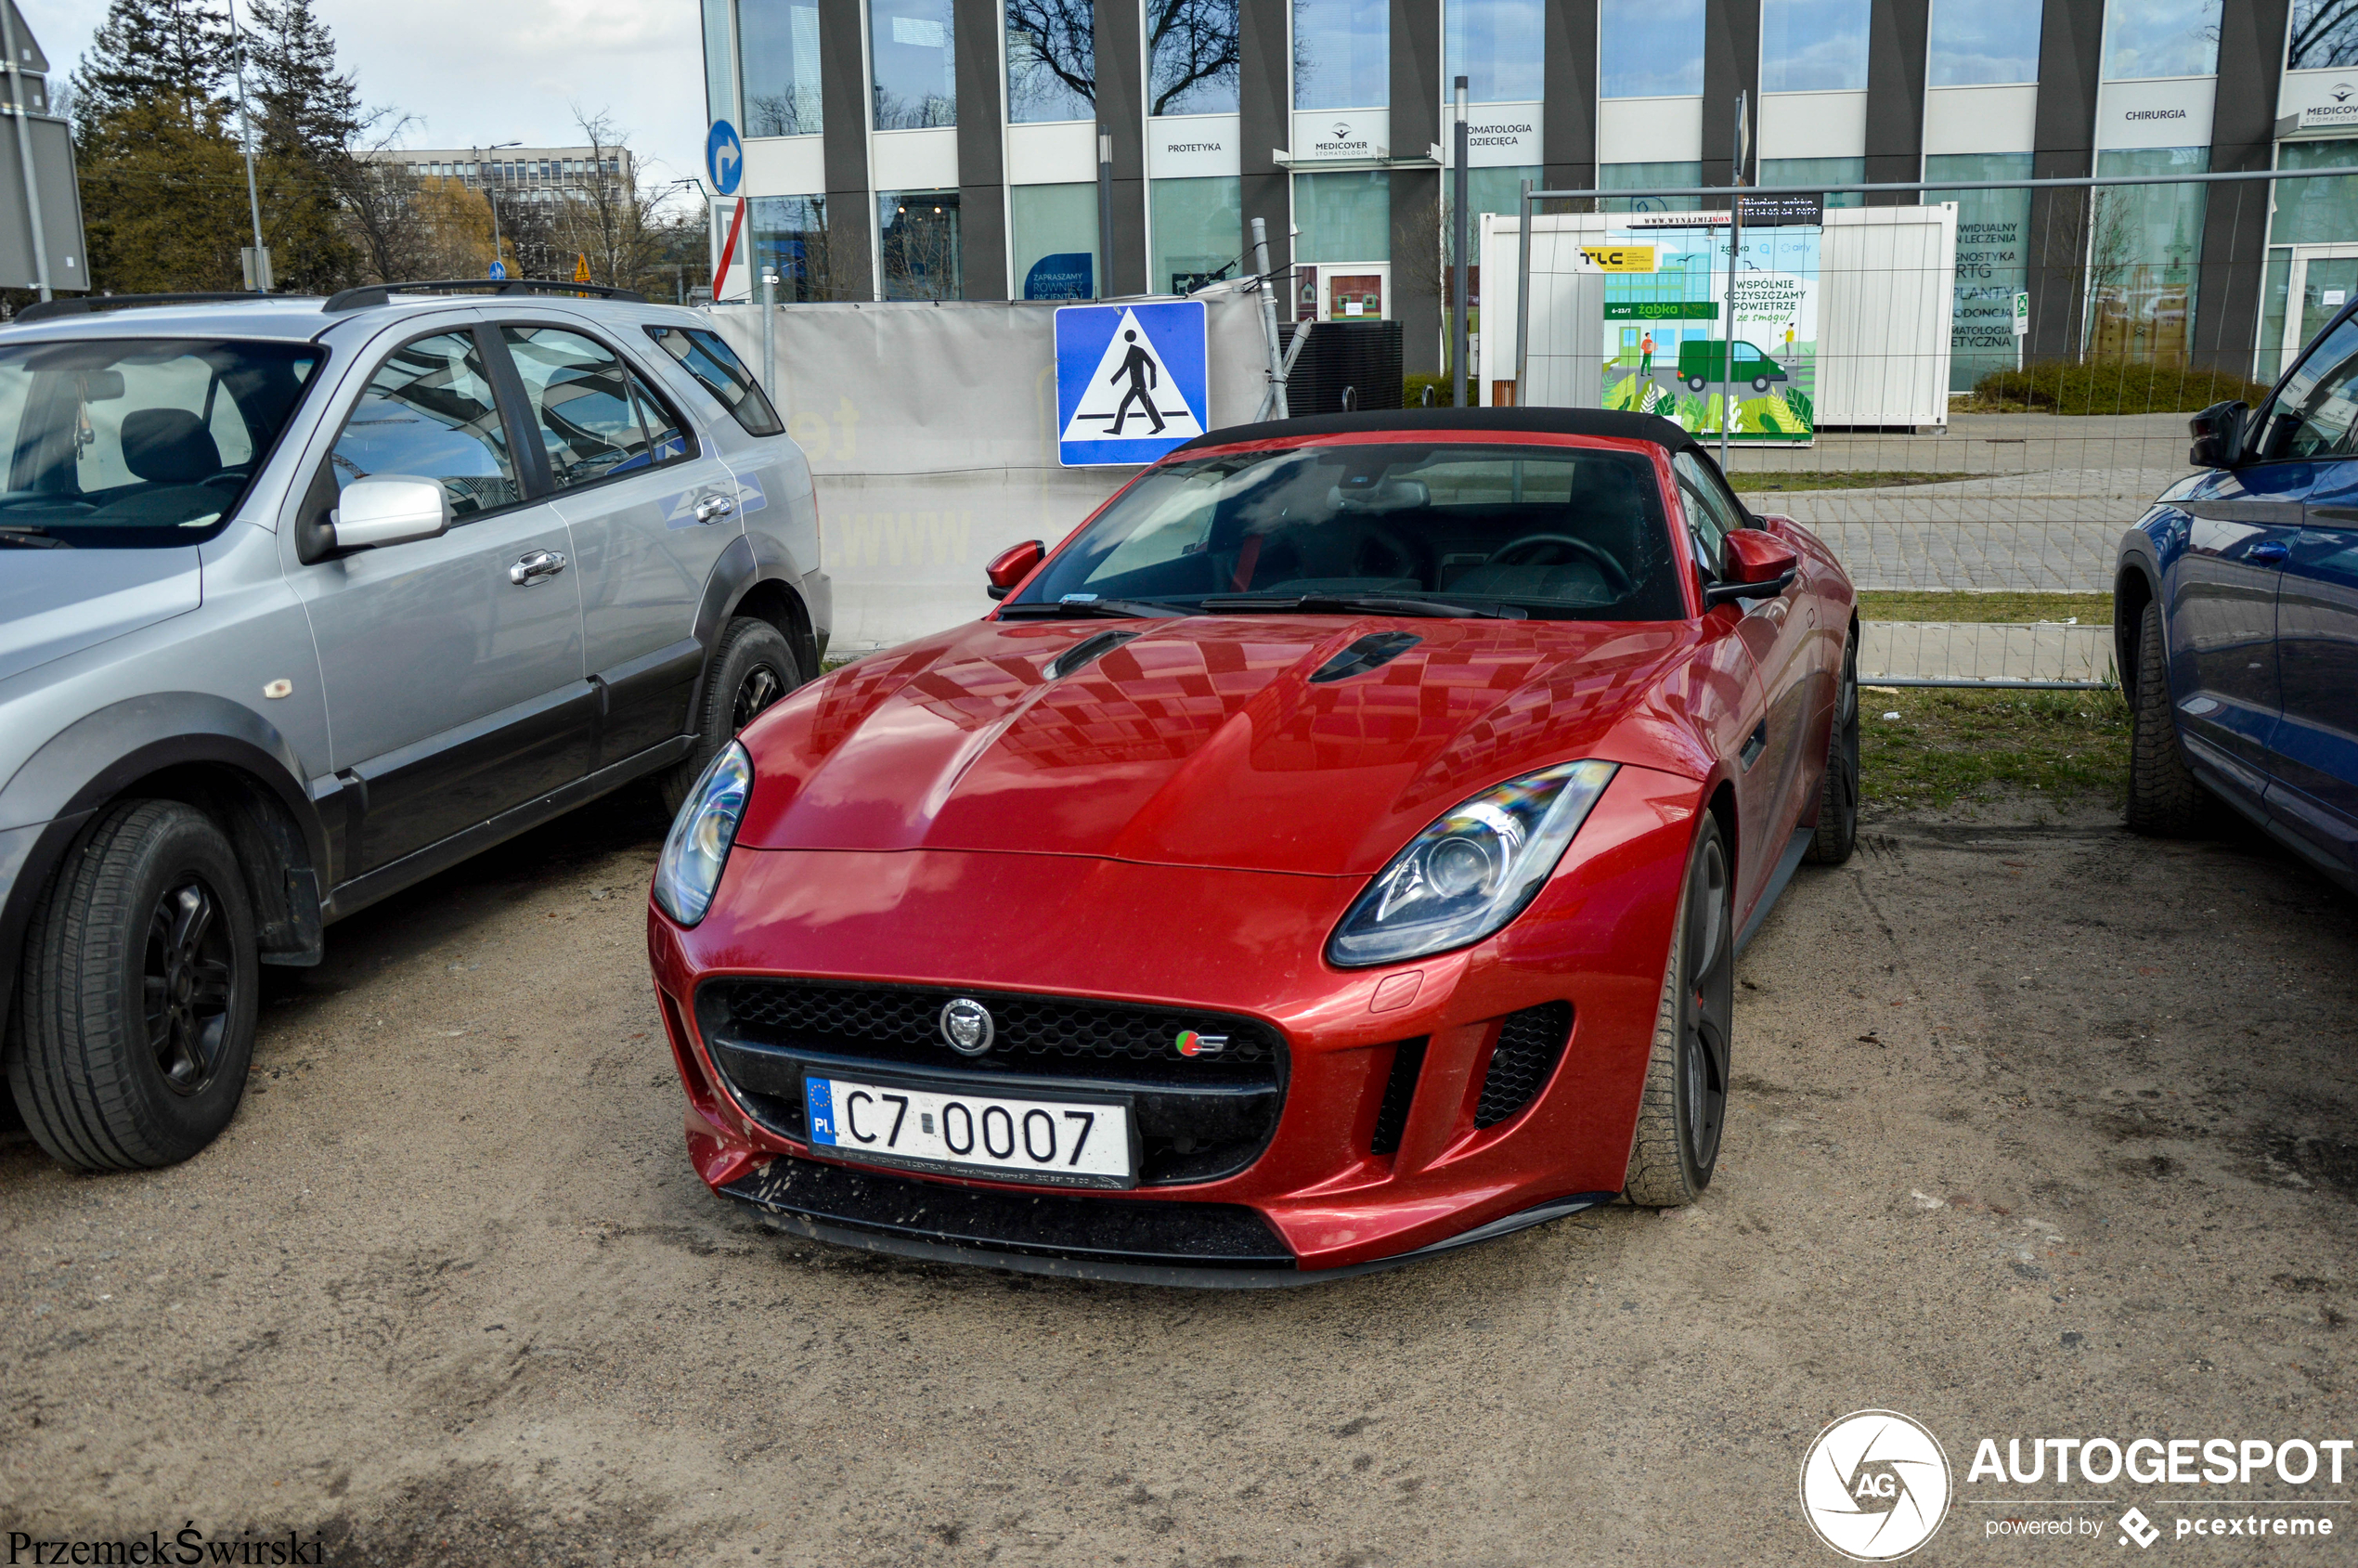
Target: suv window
(703, 354)
(2311, 416)
(594, 416)
(429, 412)
(1712, 512)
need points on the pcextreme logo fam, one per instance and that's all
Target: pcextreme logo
(1874, 1486)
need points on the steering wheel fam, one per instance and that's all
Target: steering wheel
(1616, 576)
(1411, 557)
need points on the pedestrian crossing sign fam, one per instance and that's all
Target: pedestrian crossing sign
(1132, 380)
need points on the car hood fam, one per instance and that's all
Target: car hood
(1204, 740)
(59, 601)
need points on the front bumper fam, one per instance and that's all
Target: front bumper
(1356, 1174)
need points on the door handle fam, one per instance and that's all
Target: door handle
(714, 506)
(2269, 553)
(540, 567)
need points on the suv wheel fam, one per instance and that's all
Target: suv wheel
(2164, 798)
(751, 667)
(136, 1010)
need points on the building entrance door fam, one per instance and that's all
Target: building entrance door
(2325, 278)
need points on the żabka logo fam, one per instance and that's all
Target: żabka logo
(1874, 1486)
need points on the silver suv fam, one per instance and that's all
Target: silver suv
(302, 601)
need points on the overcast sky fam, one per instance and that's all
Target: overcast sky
(478, 71)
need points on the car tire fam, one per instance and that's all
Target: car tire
(1696, 384)
(750, 668)
(1760, 384)
(2164, 798)
(1683, 1107)
(135, 1005)
(1838, 832)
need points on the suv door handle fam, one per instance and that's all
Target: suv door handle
(540, 567)
(714, 506)
(2267, 554)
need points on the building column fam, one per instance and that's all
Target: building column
(1264, 120)
(2071, 41)
(1730, 65)
(851, 209)
(2234, 221)
(1568, 120)
(1122, 113)
(982, 187)
(1896, 42)
(1416, 193)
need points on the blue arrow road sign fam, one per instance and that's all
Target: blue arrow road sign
(1132, 382)
(499, 271)
(724, 157)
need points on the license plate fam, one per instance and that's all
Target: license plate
(1060, 1143)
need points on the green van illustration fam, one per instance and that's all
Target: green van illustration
(1703, 362)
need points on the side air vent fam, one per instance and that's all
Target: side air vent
(1399, 1093)
(1086, 652)
(1529, 1045)
(1372, 651)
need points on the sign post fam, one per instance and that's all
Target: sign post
(724, 160)
(2022, 323)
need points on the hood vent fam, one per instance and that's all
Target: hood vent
(1372, 651)
(1086, 652)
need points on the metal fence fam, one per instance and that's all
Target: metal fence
(1963, 386)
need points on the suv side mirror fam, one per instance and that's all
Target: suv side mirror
(389, 509)
(2219, 435)
(1760, 565)
(1011, 566)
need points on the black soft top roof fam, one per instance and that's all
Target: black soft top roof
(1614, 423)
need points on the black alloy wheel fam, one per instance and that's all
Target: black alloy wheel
(185, 983)
(1684, 1107)
(761, 686)
(1838, 832)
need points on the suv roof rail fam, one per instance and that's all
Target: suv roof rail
(371, 295)
(90, 304)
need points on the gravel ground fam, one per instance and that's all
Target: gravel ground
(2042, 1128)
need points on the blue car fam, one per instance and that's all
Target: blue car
(2235, 618)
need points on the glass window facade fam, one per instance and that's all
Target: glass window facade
(912, 58)
(1197, 231)
(1052, 60)
(2316, 211)
(1993, 229)
(1487, 190)
(1984, 43)
(1820, 172)
(1649, 176)
(2145, 38)
(790, 235)
(1193, 45)
(1055, 230)
(778, 58)
(2324, 36)
(917, 241)
(1341, 55)
(1649, 48)
(2145, 252)
(1343, 217)
(1813, 46)
(1498, 45)
(720, 76)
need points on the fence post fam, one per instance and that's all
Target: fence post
(1272, 402)
(1523, 301)
(1458, 336)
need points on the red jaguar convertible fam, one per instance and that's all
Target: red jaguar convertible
(1335, 852)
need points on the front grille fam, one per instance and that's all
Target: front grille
(1200, 1118)
(1530, 1044)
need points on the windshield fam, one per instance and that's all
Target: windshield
(1563, 532)
(125, 442)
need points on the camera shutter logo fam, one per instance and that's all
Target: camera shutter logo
(966, 1025)
(1874, 1486)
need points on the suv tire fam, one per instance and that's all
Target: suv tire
(2164, 798)
(136, 1010)
(751, 667)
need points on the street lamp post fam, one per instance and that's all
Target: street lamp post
(260, 273)
(484, 174)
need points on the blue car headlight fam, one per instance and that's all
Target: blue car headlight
(1472, 871)
(697, 848)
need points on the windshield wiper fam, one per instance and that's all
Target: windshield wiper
(1366, 605)
(31, 535)
(1124, 609)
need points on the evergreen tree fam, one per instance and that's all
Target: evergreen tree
(151, 50)
(307, 116)
(160, 183)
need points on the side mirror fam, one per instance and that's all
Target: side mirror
(2219, 435)
(388, 509)
(1760, 565)
(1011, 566)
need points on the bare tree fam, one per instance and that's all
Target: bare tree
(1192, 43)
(2326, 39)
(608, 218)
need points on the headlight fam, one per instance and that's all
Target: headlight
(698, 846)
(1471, 872)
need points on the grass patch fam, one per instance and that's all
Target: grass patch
(1951, 746)
(2092, 609)
(1752, 481)
(2109, 387)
